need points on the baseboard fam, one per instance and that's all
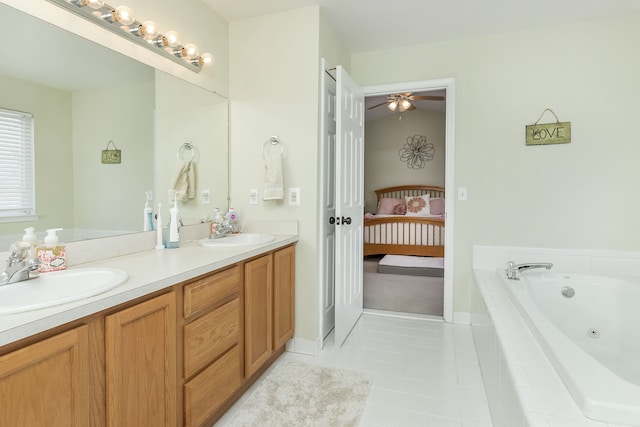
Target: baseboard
(307, 347)
(462, 317)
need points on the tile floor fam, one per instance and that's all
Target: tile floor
(425, 372)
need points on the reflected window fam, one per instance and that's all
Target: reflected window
(17, 183)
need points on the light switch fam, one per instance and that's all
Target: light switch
(253, 196)
(205, 197)
(294, 196)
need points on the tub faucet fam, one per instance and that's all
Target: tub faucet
(18, 267)
(513, 270)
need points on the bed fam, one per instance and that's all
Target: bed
(406, 234)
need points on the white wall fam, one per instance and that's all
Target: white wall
(383, 140)
(577, 195)
(274, 86)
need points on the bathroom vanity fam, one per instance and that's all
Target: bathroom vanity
(176, 345)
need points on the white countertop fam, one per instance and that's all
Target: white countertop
(148, 271)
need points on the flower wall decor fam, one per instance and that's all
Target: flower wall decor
(417, 152)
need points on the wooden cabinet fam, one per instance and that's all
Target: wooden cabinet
(212, 343)
(180, 358)
(269, 291)
(258, 314)
(284, 267)
(47, 383)
(141, 364)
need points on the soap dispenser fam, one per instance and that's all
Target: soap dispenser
(173, 239)
(52, 254)
(30, 237)
(232, 217)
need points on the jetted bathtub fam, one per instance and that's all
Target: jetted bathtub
(589, 328)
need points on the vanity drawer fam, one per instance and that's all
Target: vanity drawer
(209, 291)
(211, 335)
(204, 394)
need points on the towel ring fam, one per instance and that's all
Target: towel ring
(184, 147)
(274, 140)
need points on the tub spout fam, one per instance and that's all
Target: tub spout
(513, 270)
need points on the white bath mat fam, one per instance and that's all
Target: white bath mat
(296, 394)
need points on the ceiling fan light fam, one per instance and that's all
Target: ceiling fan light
(393, 105)
(405, 104)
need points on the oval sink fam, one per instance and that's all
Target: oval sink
(245, 239)
(58, 287)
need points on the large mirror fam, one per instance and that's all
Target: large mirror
(82, 96)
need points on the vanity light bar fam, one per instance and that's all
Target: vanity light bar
(120, 20)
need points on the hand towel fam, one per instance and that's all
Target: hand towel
(273, 186)
(185, 182)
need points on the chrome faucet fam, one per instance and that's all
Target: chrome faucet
(514, 270)
(18, 267)
(220, 229)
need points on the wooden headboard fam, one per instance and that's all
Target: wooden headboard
(401, 191)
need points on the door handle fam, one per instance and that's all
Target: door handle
(340, 221)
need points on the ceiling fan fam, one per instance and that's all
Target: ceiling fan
(404, 101)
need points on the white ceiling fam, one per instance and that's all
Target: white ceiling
(412, 22)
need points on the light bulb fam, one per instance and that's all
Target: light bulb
(148, 30)
(206, 59)
(405, 104)
(190, 51)
(393, 105)
(170, 39)
(123, 15)
(93, 4)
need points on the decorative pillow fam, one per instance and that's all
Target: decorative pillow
(436, 206)
(400, 209)
(386, 206)
(418, 205)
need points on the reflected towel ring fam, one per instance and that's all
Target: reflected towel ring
(274, 140)
(186, 146)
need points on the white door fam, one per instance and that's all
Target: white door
(327, 200)
(349, 189)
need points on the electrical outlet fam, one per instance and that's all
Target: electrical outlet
(253, 196)
(205, 197)
(462, 194)
(150, 193)
(294, 196)
(172, 195)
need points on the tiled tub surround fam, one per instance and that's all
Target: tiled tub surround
(149, 271)
(522, 385)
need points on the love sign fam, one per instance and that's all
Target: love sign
(549, 133)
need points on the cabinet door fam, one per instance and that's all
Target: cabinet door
(283, 296)
(141, 364)
(258, 294)
(47, 383)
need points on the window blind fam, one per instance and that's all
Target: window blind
(17, 186)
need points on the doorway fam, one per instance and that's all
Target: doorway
(326, 291)
(404, 147)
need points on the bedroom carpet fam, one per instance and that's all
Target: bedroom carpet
(297, 394)
(403, 293)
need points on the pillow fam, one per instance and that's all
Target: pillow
(418, 205)
(400, 209)
(386, 206)
(436, 206)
